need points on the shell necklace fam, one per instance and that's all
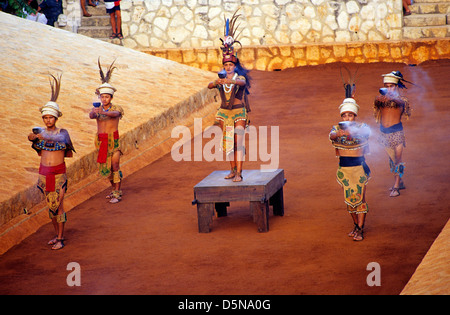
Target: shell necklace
(228, 87)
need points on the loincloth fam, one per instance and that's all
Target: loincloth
(353, 175)
(51, 182)
(107, 145)
(229, 117)
(393, 136)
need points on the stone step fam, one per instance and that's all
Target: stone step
(95, 21)
(426, 32)
(430, 8)
(97, 26)
(417, 20)
(95, 31)
(98, 10)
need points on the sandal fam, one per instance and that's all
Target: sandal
(113, 35)
(115, 196)
(59, 244)
(353, 232)
(111, 195)
(119, 35)
(232, 173)
(359, 234)
(395, 192)
(402, 186)
(53, 241)
(87, 14)
(114, 200)
(238, 177)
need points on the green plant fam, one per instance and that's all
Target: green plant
(17, 7)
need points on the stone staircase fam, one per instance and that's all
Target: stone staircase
(429, 19)
(98, 25)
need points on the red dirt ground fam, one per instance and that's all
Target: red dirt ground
(149, 243)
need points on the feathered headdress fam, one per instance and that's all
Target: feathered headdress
(350, 84)
(349, 103)
(106, 87)
(230, 38)
(395, 77)
(52, 108)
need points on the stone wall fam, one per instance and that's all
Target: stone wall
(71, 18)
(271, 58)
(163, 24)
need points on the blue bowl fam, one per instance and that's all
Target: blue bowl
(37, 130)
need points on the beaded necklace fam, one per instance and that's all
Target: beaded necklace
(51, 145)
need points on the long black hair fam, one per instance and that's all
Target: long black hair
(241, 70)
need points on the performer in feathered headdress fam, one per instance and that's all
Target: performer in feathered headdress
(53, 144)
(389, 107)
(233, 84)
(350, 140)
(107, 139)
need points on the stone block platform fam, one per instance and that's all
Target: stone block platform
(260, 189)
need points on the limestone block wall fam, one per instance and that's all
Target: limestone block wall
(269, 58)
(71, 19)
(163, 24)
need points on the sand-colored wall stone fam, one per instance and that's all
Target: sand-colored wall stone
(432, 276)
(288, 56)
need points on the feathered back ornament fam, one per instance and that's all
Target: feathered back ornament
(52, 108)
(106, 87)
(230, 38)
(105, 78)
(350, 83)
(349, 104)
(55, 85)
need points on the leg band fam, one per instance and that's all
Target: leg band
(60, 218)
(399, 169)
(117, 177)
